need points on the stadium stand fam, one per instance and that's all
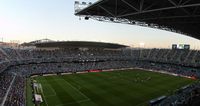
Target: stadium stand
(4, 82)
(184, 96)
(16, 95)
(27, 62)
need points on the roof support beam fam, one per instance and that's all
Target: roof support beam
(180, 2)
(141, 4)
(176, 5)
(195, 10)
(130, 5)
(160, 9)
(107, 11)
(186, 2)
(172, 2)
(147, 8)
(169, 17)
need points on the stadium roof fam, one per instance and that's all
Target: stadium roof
(79, 44)
(180, 16)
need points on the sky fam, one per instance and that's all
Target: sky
(29, 20)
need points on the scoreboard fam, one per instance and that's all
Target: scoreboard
(181, 46)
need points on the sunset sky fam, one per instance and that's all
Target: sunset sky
(28, 20)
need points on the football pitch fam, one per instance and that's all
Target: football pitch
(117, 88)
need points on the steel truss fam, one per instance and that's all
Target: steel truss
(147, 13)
(132, 22)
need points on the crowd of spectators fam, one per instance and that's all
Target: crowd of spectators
(27, 62)
(16, 96)
(3, 66)
(178, 57)
(170, 68)
(185, 96)
(3, 57)
(5, 80)
(12, 53)
(54, 68)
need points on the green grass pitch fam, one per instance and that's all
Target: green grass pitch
(117, 88)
